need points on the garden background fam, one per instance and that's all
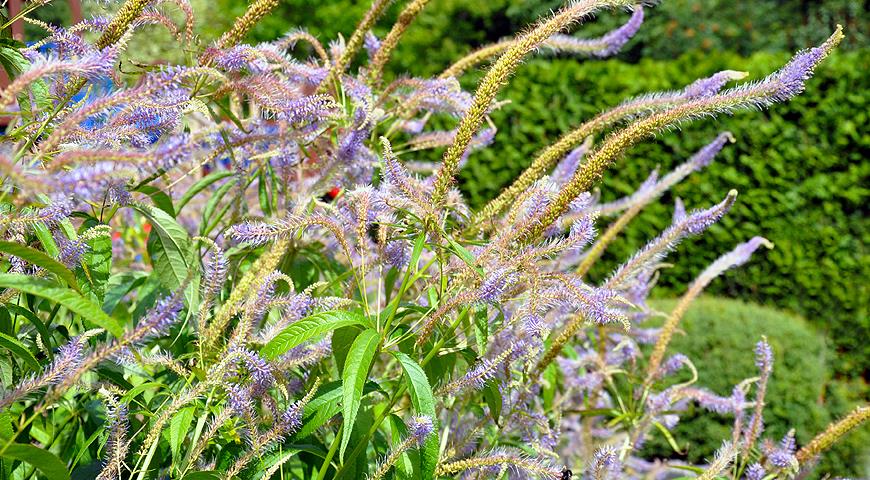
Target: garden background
(799, 167)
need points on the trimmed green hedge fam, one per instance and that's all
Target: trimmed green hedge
(800, 169)
(801, 395)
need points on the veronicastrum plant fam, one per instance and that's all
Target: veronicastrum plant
(239, 268)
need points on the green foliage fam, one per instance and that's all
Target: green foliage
(799, 170)
(723, 332)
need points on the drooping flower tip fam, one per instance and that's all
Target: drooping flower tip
(790, 80)
(674, 363)
(709, 86)
(742, 252)
(420, 428)
(705, 155)
(616, 39)
(701, 220)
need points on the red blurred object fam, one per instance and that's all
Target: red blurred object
(146, 227)
(334, 192)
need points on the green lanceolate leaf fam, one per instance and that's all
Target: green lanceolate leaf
(20, 350)
(168, 246)
(40, 259)
(64, 296)
(353, 378)
(37, 323)
(178, 427)
(159, 197)
(424, 404)
(52, 468)
(308, 328)
(201, 185)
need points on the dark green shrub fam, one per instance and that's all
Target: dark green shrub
(799, 168)
(719, 338)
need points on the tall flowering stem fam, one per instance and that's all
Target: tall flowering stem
(780, 86)
(834, 432)
(497, 77)
(244, 24)
(409, 13)
(737, 257)
(638, 107)
(356, 41)
(647, 194)
(604, 46)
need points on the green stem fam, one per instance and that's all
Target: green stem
(331, 453)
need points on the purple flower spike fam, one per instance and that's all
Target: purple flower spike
(71, 251)
(396, 254)
(755, 472)
(291, 419)
(705, 155)
(495, 285)
(606, 462)
(159, 319)
(616, 39)
(239, 400)
(763, 356)
(420, 428)
(701, 220)
(308, 109)
(259, 370)
(707, 87)
(372, 44)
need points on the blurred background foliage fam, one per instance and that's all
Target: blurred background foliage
(800, 168)
(801, 394)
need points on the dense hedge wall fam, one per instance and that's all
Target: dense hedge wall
(801, 394)
(800, 169)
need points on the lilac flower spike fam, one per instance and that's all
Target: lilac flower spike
(372, 44)
(783, 456)
(158, 320)
(700, 220)
(420, 428)
(755, 472)
(736, 257)
(606, 463)
(709, 86)
(608, 45)
(495, 285)
(67, 360)
(684, 225)
(790, 80)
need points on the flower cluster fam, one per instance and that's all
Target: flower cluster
(249, 261)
